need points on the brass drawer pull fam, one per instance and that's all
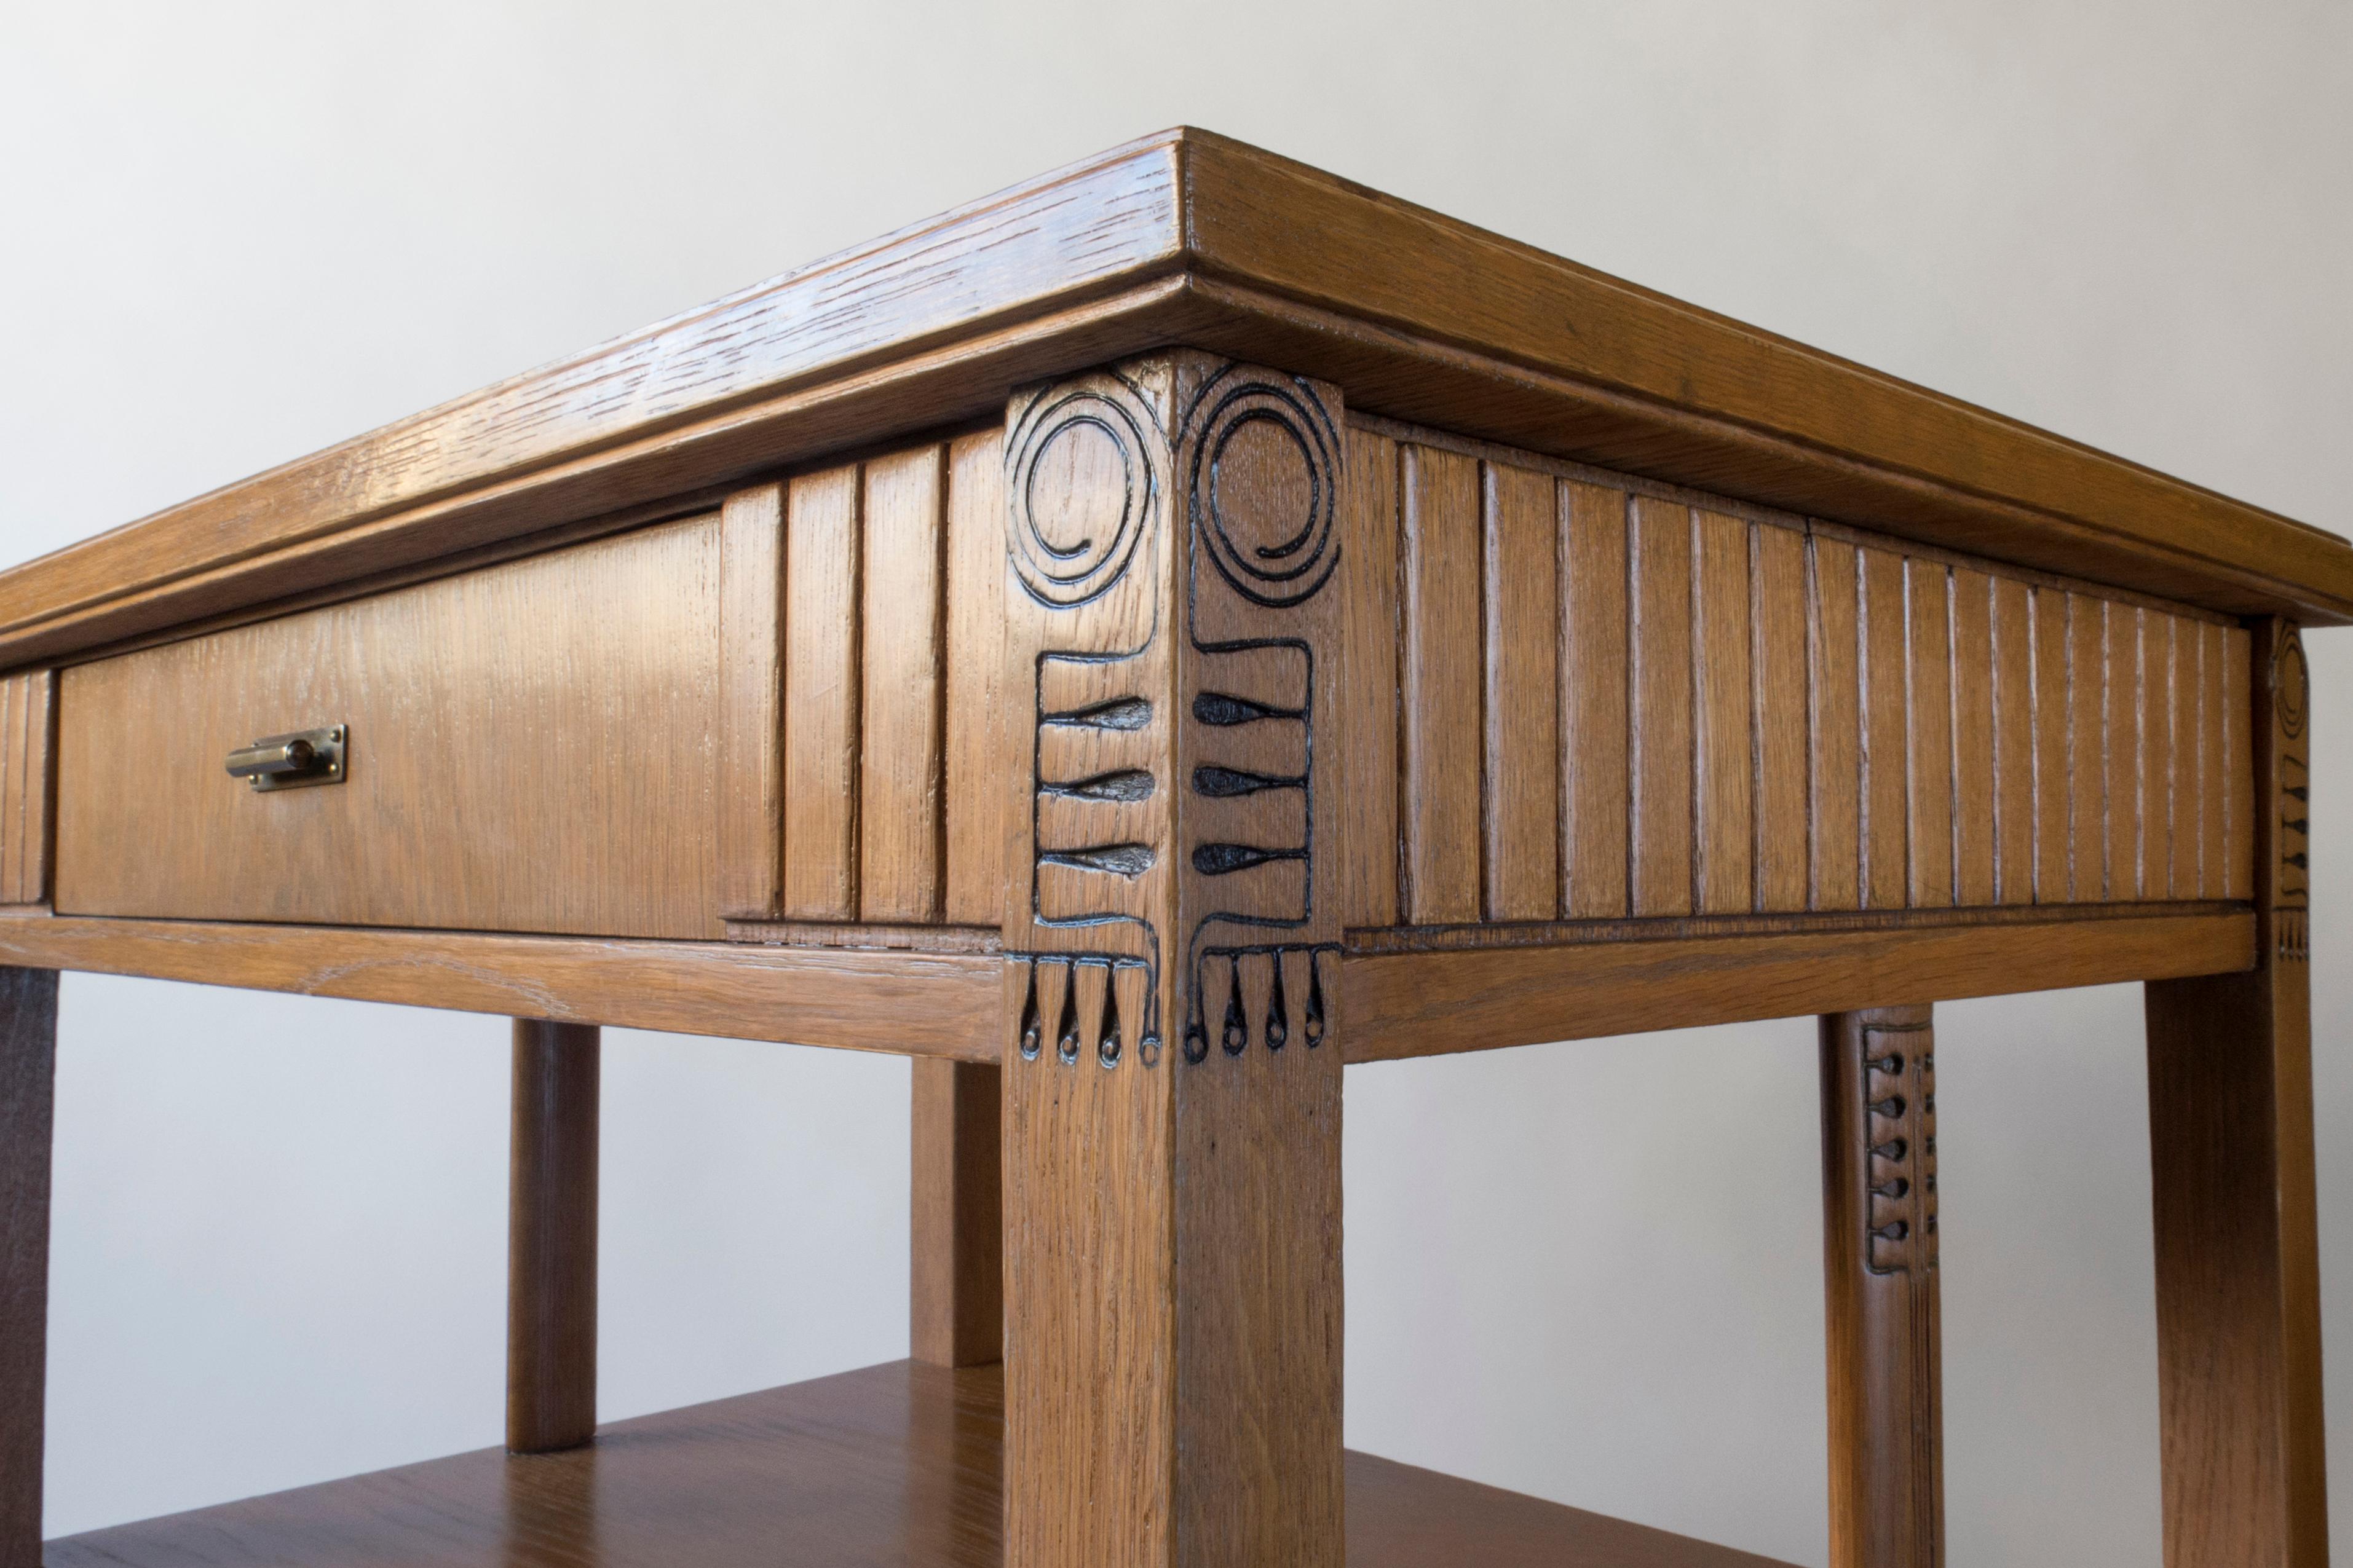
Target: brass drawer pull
(290, 762)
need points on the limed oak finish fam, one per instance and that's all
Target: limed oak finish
(1139, 645)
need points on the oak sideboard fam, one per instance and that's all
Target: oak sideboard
(1138, 644)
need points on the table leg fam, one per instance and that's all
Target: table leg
(1172, 1082)
(956, 1314)
(28, 1039)
(552, 1237)
(2238, 1277)
(1879, 1257)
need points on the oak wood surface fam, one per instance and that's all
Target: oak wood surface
(28, 783)
(955, 1234)
(1409, 1002)
(1740, 711)
(552, 1235)
(907, 1003)
(1880, 1277)
(1181, 236)
(1172, 1093)
(979, 720)
(28, 1047)
(556, 711)
(750, 830)
(896, 1465)
(2231, 1145)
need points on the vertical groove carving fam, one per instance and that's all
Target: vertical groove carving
(1758, 713)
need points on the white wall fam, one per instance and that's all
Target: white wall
(230, 233)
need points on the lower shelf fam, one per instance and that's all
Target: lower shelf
(894, 1465)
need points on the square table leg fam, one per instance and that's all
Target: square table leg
(28, 1051)
(2230, 1135)
(1172, 1088)
(1879, 1260)
(552, 1237)
(957, 1274)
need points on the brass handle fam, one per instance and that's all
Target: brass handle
(289, 762)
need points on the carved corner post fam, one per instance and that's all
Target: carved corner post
(956, 1278)
(552, 1237)
(1172, 1093)
(2229, 1104)
(29, 1054)
(1879, 1260)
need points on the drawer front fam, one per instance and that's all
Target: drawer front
(531, 748)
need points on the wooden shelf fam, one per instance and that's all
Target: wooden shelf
(895, 1464)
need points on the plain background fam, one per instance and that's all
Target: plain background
(237, 233)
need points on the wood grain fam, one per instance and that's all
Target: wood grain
(1755, 712)
(978, 700)
(1834, 717)
(29, 1053)
(2127, 782)
(1725, 742)
(904, 1003)
(1172, 995)
(956, 1277)
(1883, 622)
(552, 1235)
(554, 711)
(1523, 762)
(1879, 1265)
(2055, 851)
(1181, 236)
(1781, 711)
(28, 783)
(1594, 689)
(1410, 1004)
(1440, 806)
(1977, 822)
(752, 703)
(2230, 1123)
(903, 627)
(822, 691)
(1659, 718)
(1372, 846)
(898, 1464)
(1931, 832)
(2011, 633)
(2087, 749)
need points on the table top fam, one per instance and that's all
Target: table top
(1183, 236)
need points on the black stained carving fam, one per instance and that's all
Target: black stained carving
(1106, 410)
(1065, 1037)
(1119, 713)
(1273, 562)
(1224, 859)
(1220, 784)
(1124, 785)
(1290, 563)
(1032, 1026)
(1221, 969)
(1107, 1046)
(1217, 707)
(1120, 859)
(1071, 1039)
(1899, 1154)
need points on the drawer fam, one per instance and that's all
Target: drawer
(532, 747)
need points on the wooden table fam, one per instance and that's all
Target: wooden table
(1135, 645)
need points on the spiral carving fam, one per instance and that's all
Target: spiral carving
(1084, 484)
(1280, 548)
